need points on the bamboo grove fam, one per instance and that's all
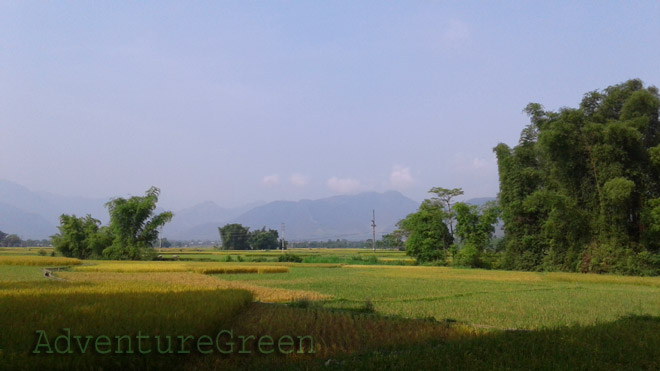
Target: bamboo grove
(581, 190)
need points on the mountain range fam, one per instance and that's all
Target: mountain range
(36, 215)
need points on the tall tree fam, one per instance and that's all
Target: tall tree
(444, 197)
(134, 225)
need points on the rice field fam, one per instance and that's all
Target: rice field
(499, 299)
(198, 267)
(38, 260)
(359, 316)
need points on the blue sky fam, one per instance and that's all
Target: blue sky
(241, 101)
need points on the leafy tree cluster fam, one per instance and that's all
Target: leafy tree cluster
(439, 230)
(81, 238)
(10, 240)
(581, 190)
(238, 237)
(427, 236)
(392, 240)
(131, 233)
(475, 226)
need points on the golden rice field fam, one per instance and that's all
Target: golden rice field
(198, 267)
(38, 260)
(359, 316)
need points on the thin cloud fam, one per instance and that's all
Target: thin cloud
(298, 180)
(343, 185)
(400, 177)
(271, 180)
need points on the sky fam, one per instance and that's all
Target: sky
(243, 101)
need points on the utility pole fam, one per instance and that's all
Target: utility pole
(283, 243)
(373, 227)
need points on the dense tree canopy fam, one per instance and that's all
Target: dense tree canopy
(238, 237)
(10, 240)
(81, 237)
(234, 237)
(262, 239)
(427, 235)
(581, 190)
(474, 230)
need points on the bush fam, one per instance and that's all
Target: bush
(468, 256)
(643, 264)
(290, 258)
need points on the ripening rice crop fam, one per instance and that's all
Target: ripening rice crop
(110, 308)
(333, 333)
(602, 279)
(238, 269)
(38, 260)
(187, 280)
(198, 267)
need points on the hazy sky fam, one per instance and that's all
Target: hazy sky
(241, 101)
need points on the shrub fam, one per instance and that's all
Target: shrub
(468, 256)
(290, 258)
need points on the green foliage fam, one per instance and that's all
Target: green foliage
(263, 239)
(474, 228)
(10, 240)
(617, 191)
(394, 240)
(468, 256)
(235, 237)
(443, 198)
(134, 226)
(576, 192)
(428, 236)
(290, 258)
(81, 238)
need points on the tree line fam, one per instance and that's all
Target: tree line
(238, 237)
(13, 240)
